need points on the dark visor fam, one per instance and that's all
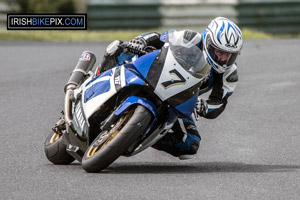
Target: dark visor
(211, 50)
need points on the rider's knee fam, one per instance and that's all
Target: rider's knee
(192, 144)
(189, 146)
(194, 148)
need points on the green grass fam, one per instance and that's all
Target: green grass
(248, 34)
(109, 35)
(68, 36)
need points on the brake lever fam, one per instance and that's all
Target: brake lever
(150, 49)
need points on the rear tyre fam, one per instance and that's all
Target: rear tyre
(111, 144)
(56, 151)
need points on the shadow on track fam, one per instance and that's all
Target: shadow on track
(208, 167)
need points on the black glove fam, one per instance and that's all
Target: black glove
(201, 107)
(136, 45)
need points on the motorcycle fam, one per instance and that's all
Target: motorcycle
(128, 108)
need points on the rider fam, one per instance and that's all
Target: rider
(221, 43)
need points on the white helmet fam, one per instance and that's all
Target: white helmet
(222, 35)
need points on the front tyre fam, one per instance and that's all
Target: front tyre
(111, 144)
(56, 151)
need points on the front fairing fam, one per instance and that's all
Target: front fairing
(96, 91)
(175, 72)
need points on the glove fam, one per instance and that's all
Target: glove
(201, 107)
(136, 45)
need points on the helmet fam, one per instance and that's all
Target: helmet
(222, 43)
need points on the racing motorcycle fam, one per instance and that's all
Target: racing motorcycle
(128, 108)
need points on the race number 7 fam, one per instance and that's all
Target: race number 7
(173, 82)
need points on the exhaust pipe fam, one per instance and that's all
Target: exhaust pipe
(84, 65)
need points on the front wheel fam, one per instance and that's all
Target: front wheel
(111, 144)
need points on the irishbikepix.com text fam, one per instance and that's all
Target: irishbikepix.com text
(46, 22)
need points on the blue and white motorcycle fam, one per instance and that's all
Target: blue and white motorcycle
(128, 108)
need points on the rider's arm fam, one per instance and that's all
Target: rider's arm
(223, 87)
(114, 55)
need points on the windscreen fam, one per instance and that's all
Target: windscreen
(188, 54)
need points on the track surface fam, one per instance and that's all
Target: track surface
(251, 151)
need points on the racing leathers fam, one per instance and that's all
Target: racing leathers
(183, 140)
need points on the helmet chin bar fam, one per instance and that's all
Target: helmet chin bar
(223, 63)
(218, 68)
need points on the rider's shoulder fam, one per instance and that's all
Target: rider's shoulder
(231, 68)
(234, 66)
(231, 73)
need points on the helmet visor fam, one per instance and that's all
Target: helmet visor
(219, 56)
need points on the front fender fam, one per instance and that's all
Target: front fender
(136, 100)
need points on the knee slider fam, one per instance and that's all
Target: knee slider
(194, 148)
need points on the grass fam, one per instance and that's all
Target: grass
(248, 34)
(72, 36)
(68, 36)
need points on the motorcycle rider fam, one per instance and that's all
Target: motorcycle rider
(221, 43)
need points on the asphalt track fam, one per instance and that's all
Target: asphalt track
(250, 152)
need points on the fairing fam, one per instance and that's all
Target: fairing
(175, 73)
(97, 91)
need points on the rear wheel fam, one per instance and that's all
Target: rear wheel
(56, 151)
(111, 144)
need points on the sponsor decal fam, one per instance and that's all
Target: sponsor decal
(46, 21)
(79, 116)
(85, 57)
(117, 80)
(192, 127)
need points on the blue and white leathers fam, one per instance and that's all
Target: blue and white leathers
(174, 74)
